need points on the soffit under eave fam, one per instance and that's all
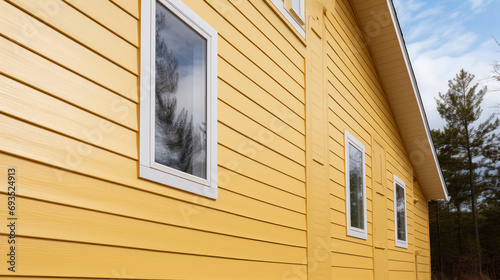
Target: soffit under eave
(378, 20)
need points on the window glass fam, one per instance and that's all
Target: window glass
(401, 213)
(180, 113)
(356, 187)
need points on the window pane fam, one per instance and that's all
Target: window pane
(180, 95)
(356, 187)
(401, 215)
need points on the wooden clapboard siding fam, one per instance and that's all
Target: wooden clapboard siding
(421, 209)
(63, 53)
(69, 75)
(70, 126)
(37, 107)
(358, 104)
(129, 6)
(109, 15)
(80, 28)
(126, 262)
(35, 71)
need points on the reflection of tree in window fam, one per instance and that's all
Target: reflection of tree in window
(401, 219)
(356, 187)
(180, 124)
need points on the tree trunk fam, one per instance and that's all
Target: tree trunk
(473, 199)
(459, 222)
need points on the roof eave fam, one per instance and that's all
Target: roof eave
(378, 20)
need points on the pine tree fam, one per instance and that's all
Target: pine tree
(496, 65)
(174, 132)
(467, 142)
(455, 175)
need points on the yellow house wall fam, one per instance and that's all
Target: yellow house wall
(357, 103)
(69, 121)
(69, 124)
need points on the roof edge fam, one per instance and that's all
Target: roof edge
(416, 90)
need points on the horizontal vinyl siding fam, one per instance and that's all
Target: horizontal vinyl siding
(69, 124)
(357, 103)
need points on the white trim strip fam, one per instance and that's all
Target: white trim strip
(281, 7)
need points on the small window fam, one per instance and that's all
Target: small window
(178, 117)
(297, 9)
(355, 187)
(294, 11)
(400, 228)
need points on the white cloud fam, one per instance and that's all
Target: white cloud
(433, 73)
(440, 43)
(458, 45)
(478, 5)
(406, 8)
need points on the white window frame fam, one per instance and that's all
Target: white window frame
(294, 12)
(148, 168)
(296, 9)
(398, 242)
(354, 231)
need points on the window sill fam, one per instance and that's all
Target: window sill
(161, 177)
(357, 233)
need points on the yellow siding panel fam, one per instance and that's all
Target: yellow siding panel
(259, 172)
(257, 132)
(79, 27)
(347, 28)
(258, 114)
(399, 255)
(53, 221)
(253, 150)
(37, 107)
(337, 149)
(262, 49)
(188, 211)
(347, 100)
(228, 179)
(265, 25)
(26, 66)
(111, 16)
(44, 257)
(345, 95)
(351, 124)
(283, 27)
(337, 190)
(93, 161)
(350, 247)
(337, 176)
(131, 6)
(231, 54)
(86, 63)
(349, 273)
(397, 265)
(353, 261)
(285, 107)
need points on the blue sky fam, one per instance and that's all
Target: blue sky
(445, 36)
